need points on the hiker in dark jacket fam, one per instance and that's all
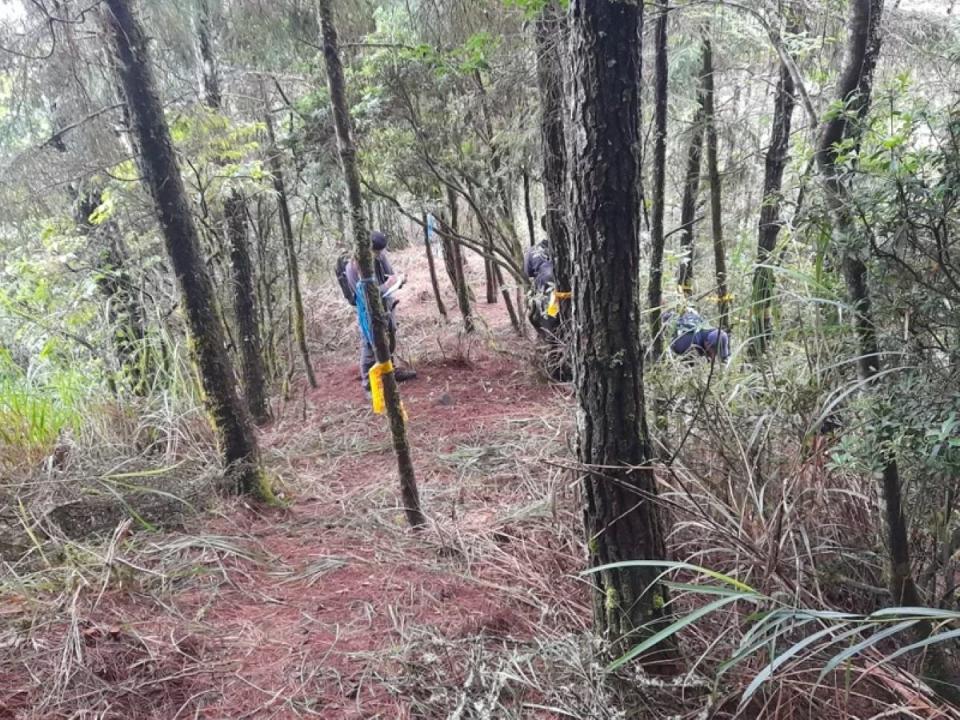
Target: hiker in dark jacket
(691, 332)
(387, 279)
(538, 266)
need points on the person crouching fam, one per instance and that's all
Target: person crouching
(691, 334)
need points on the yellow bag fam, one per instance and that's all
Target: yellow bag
(553, 309)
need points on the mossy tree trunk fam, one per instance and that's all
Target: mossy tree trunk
(619, 489)
(245, 308)
(158, 163)
(235, 232)
(348, 159)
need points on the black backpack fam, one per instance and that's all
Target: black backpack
(341, 270)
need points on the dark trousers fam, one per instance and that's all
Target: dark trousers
(703, 342)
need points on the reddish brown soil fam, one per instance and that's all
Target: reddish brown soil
(264, 637)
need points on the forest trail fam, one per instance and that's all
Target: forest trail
(331, 607)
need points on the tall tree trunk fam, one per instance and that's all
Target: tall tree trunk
(234, 216)
(620, 514)
(433, 269)
(162, 177)
(463, 289)
(551, 34)
(289, 246)
(853, 91)
(713, 171)
(348, 159)
(528, 208)
(655, 287)
(245, 307)
(488, 271)
(691, 192)
(761, 328)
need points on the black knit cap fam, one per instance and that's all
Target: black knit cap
(378, 241)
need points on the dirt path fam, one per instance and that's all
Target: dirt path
(331, 607)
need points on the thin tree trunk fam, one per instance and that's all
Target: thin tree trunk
(488, 266)
(245, 307)
(853, 91)
(691, 192)
(528, 207)
(713, 171)
(162, 177)
(761, 325)
(619, 489)
(234, 217)
(449, 263)
(463, 289)
(655, 287)
(289, 247)
(551, 34)
(507, 300)
(395, 411)
(433, 269)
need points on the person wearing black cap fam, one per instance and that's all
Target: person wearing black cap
(388, 280)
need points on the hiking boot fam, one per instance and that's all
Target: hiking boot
(405, 374)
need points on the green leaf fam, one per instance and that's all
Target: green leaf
(676, 627)
(838, 659)
(778, 661)
(673, 565)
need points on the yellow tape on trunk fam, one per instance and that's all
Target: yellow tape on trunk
(376, 385)
(553, 309)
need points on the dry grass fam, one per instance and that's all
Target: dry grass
(332, 608)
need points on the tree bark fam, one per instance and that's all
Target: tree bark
(463, 289)
(655, 287)
(235, 231)
(713, 171)
(162, 177)
(551, 34)
(528, 208)
(505, 291)
(433, 269)
(691, 192)
(619, 490)
(341, 115)
(245, 308)
(770, 221)
(289, 247)
(853, 91)
(488, 266)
